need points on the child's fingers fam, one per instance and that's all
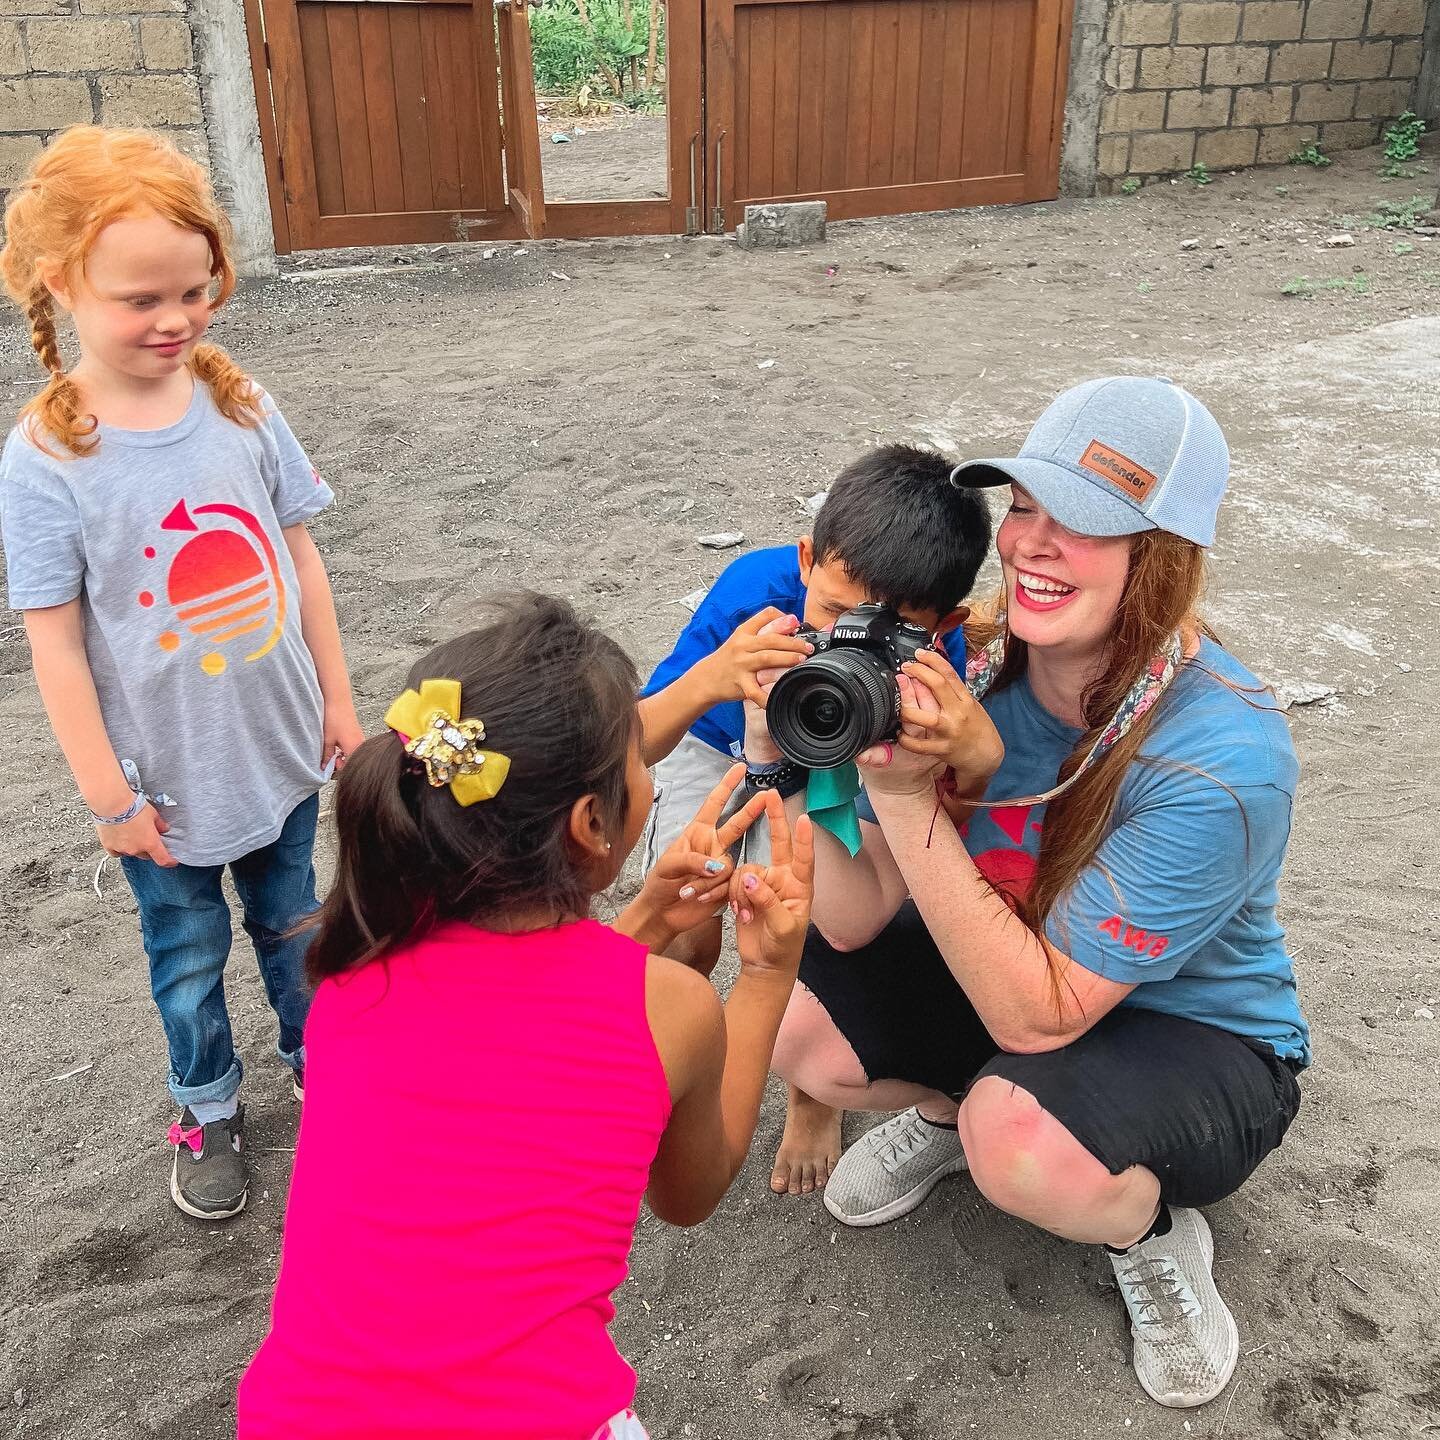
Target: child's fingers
(778, 659)
(921, 719)
(759, 901)
(914, 691)
(924, 744)
(758, 621)
(779, 830)
(728, 833)
(802, 858)
(709, 813)
(780, 625)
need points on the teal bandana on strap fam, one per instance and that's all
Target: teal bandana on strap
(830, 794)
(830, 803)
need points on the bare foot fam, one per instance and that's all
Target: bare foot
(809, 1148)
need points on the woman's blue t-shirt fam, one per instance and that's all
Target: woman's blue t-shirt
(1180, 898)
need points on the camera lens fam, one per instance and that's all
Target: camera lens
(822, 712)
(829, 708)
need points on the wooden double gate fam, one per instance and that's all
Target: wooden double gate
(414, 121)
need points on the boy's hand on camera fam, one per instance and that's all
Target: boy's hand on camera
(771, 903)
(139, 838)
(691, 879)
(764, 643)
(946, 720)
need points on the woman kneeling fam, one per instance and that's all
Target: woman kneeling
(1082, 995)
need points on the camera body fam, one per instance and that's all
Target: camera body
(845, 697)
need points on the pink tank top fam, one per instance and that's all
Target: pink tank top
(481, 1112)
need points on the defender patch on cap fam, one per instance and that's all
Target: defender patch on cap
(1124, 474)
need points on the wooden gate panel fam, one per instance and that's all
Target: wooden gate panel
(883, 106)
(388, 119)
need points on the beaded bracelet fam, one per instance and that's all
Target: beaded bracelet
(136, 806)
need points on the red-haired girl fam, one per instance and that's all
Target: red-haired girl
(183, 633)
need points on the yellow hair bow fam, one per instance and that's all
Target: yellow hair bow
(430, 728)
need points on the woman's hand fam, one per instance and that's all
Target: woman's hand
(942, 724)
(772, 902)
(691, 879)
(951, 723)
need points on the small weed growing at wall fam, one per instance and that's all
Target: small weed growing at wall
(1130, 186)
(1402, 143)
(1199, 173)
(1310, 155)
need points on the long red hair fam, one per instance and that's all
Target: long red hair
(87, 178)
(1162, 595)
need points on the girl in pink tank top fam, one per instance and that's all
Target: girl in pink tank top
(494, 1080)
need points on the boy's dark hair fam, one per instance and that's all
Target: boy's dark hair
(902, 531)
(554, 694)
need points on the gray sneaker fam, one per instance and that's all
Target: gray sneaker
(209, 1179)
(888, 1172)
(1186, 1343)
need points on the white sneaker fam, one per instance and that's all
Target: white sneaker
(888, 1172)
(1186, 1343)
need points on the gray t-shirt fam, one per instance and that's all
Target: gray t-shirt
(192, 610)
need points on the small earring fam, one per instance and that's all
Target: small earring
(607, 845)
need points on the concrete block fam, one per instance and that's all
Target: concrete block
(1227, 149)
(1325, 102)
(1381, 99)
(1122, 68)
(1280, 142)
(1334, 19)
(1272, 20)
(1405, 62)
(1114, 156)
(150, 100)
(165, 43)
(1361, 60)
(12, 52)
(771, 227)
(129, 7)
(45, 103)
(1350, 134)
(1272, 105)
(16, 153)
(1179, 67)
(1208, 24)
(1164, 154)
(1198, 109)
(66, 47)
(1236, 65)
(1308, 61)
(1138, 110)
(1146, 24)
(1396, 17)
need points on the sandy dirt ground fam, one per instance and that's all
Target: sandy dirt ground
(572, 417)
(616, 156)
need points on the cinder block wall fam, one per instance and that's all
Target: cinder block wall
(117, 62)
(1227, 83)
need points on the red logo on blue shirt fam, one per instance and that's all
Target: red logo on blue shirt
(1142, 942)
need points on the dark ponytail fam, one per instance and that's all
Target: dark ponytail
(555, 695)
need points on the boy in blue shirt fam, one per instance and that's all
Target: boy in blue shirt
(892, 529)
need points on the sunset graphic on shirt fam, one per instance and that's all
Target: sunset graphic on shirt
(222, 584)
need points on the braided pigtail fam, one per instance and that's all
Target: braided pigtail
(55, 414)
(236, 395)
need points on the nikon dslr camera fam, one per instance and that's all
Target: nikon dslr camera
(845, 697)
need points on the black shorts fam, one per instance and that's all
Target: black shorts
(1198, 1106)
